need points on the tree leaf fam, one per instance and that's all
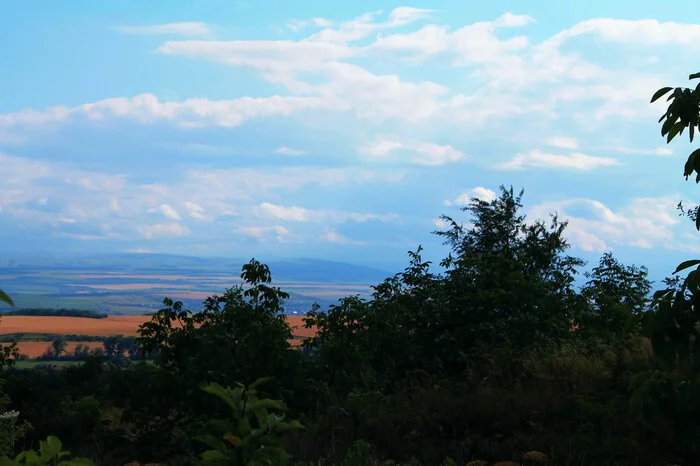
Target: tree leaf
(660, 93)
(6, 299)
(694, 76)
(686, 264)
(675, 129)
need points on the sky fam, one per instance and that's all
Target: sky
(339, 130)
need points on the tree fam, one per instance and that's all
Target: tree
(242, 335)
(667, 400)
(672, 323)
(614, 294)
(58, 346)
(509, 282)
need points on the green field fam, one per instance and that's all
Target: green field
(32, 364)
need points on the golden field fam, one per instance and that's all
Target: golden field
(34, 349)
(112, 325)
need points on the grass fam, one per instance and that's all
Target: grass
(33, 364)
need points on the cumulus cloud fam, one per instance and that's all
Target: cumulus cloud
(56, 196)
(196, 211)
(563, 142)
(263, 233)
(188, 29)
(574, 161)
(289, 151)
(658, 151)
(422, 153)
(165, 230)
(511, 84)
(466, 197)
(147, 108)
(643, 223)
(333, 236)
(300, 214)
(168, 211)
(638, 32)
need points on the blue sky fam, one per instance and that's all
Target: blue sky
(338, 130)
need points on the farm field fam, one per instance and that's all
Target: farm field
(135, 284)
(110, 326)
(34, 349)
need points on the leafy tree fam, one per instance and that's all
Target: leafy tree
(615, 293)
(56, 348)
(81, 352)
(667, 400)
(508, 282)
(241, 335)
(110, 346)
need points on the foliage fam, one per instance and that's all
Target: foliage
(225, 340)
(6, 299)
(615, 294)
(11, 429)
(508, 282)
(50, 454)
(665, 400)
(251, 437)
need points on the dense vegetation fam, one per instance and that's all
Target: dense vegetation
(56, 312)
(494, 356)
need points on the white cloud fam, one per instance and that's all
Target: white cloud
(637, 32)
(296, 24)
(300, 214)
(138, 250)
(289, 151)
(574, 161)
(168, 211)
(441, 224)
(466, 197)
(196, 211)
(657, 151)
(262, 233)
(421, 153)
(563, 142)
(474, 43)
(643, 223)
(190, 29)
(333, 236)
(165, 230)
(147, 108)
(322, 22)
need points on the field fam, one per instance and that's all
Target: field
(34, 349)
(112, 325)
(135, 284)
(33, 364)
